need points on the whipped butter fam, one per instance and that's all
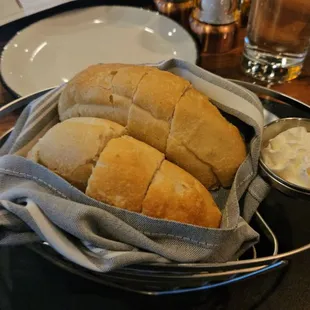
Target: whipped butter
(288, 156)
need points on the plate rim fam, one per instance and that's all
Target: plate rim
(4, 51)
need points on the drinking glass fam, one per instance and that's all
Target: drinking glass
(277, 39)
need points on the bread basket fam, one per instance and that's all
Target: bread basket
(160, 277)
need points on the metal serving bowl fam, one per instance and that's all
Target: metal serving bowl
(270, 131)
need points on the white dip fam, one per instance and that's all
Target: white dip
(288, 155)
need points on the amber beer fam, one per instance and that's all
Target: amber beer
(277, 39)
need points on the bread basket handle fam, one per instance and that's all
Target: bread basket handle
(272, 266)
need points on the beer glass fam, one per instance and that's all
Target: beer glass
(277, 39)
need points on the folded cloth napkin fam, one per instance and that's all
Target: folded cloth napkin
(37, 205)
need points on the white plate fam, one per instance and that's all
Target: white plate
(52, 50)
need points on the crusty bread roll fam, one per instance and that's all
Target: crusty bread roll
(72, 148)
(162, 110)
(134, 176)
(95, 155)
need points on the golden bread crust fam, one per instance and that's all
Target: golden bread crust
(208, 135)
(71, 148)
(176, 195)
(162, 110)
(123, 173)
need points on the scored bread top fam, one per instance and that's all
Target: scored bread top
(153, 104)
(123, 173)
(71, 148)
(162, 110)
(175, 195)
(208, 135)
(134, 176)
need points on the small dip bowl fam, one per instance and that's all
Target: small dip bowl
(270, 131)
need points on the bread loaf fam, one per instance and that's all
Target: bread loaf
(72, 148)
(162, 110)
(95, 155)
(134, 176)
